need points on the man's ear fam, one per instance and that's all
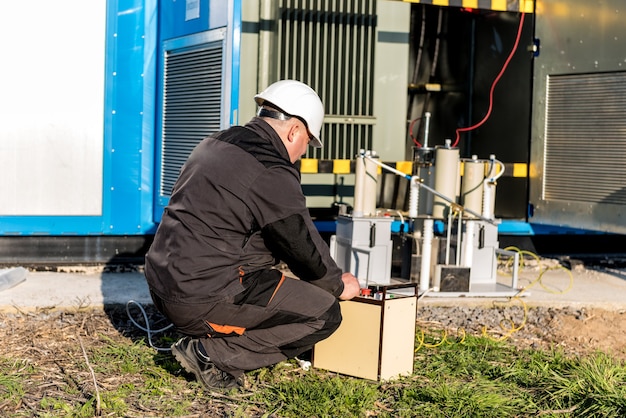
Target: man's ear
(293, 131)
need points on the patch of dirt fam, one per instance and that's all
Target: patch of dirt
(592, 330)
(575, 331)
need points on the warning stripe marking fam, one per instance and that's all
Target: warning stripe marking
(314, 166)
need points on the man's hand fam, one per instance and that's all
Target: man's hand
(351, 287)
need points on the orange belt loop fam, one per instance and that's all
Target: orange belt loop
(241, 274)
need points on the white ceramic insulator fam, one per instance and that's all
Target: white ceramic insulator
(488, 199)
(414, 197)
(468, 253)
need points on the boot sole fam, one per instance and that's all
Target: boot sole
(182, 359)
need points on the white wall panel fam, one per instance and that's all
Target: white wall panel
(51, 107)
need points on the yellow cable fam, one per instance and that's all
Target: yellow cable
(559, 267)
(510, 327)
(421, 339)
(513, 328)
(444, 339)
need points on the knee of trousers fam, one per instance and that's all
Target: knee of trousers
(332, 317)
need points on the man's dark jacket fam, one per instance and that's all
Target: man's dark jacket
(236, 208)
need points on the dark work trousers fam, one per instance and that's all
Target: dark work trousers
(274, 319)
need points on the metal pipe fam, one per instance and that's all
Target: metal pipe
(426, 128)
(459, 239)
(359, 185)
(427, 244)
(468, 254)
(448, 237)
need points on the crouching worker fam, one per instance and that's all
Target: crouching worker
(235, 211)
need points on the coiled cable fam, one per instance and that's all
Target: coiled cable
(150, 332)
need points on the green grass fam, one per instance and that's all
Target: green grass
(11, 386)
(476, 377)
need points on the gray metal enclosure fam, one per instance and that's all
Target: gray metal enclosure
(578, 145)
(353, 53)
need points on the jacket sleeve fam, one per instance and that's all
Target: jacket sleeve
(280, 208)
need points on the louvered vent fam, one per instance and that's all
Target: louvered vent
(585, 144)
(330, 46)
(192, 95)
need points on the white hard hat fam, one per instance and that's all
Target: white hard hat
(296, 99)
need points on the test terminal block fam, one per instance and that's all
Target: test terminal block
(376, 338)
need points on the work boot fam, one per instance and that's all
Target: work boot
(187, 352)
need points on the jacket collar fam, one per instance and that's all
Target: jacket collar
(266, 132)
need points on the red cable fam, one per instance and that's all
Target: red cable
(411, 133)
(493, 86)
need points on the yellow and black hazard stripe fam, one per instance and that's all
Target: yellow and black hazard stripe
(516, 170)
(525, 6)
(315, 166)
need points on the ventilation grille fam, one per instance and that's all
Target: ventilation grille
(330, 46)
(585, 140)
(192, 95)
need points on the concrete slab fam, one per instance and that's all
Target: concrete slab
(56, 290)
(558, 287)
(552, 286)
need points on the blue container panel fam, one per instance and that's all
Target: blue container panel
(129, 117)
(182, 18)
